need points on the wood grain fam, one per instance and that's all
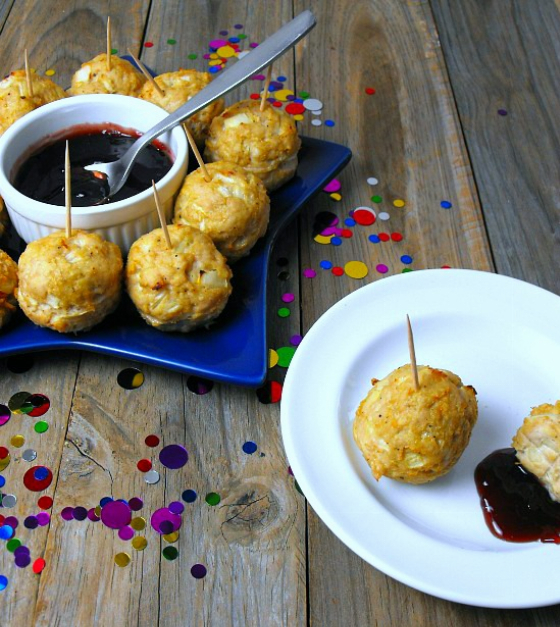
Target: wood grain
(504, 56)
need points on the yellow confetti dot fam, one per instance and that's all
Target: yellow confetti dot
(356, 269)
(17, 441)
(282, 94)
(336, 196)
(215, 62)
(171, 537)
(5, 462)
(138, 523)
(398, 202)
(272, 358)
(323, 239)
(137, 380)
(214, 56)
(97, 511)
(122, 559)
(50, 72)
(298, 117)
(139, 543)
(226, 52)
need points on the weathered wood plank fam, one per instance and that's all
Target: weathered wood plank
(504, 56)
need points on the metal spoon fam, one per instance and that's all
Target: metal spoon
(283, 39)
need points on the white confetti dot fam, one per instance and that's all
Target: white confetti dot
(316, 122)
(312, 104)
(372, 180)
(383, 215)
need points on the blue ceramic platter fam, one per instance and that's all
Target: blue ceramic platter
(234, 349)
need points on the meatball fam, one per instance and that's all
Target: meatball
(232, 208)
(15, 100)
(412, 435)
(264, 142)
(537, 446)
(8, 284)
(69, 284)
(94, 78)
(181, 288)
(178, 88)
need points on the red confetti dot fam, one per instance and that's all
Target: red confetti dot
(277, 103)
(396, 237)
(370, 91)
(38, 565)
(152, 440)
(33, 483)
(254, 96)
(45, 502)
(148, 44)
(346, 233)
(4, 452)
(144, 465)
(2, 519)
(275, 391)
(446, 267)
(384, 237)
(295, 108)
(364, 217)
(337, 271)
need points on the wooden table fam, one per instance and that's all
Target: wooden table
(465, 109)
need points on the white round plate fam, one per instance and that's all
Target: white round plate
(498, 334)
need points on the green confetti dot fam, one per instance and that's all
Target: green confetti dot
(192, 56)
(406, 270)
(242, 36)
(114, 51)
(170, 553)
(285, 355)
(13, 544)
(376, 199)
(303, 94)
(171, 42)
(298, 488)
(283, 312)
(41, 426)
(213, 498)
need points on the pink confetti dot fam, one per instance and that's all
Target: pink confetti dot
(333, 186)
(217, 43)
(382, 268)
(309, 273)
(288, 298)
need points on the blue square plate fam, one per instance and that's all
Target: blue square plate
(234, 349)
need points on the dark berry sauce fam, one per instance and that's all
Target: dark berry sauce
(41, 175)
(517, 508)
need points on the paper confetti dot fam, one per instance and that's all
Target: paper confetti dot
(149, 44)
(288, 297)
(171, 537)
(199, 385)
(312, 104)
(370, 91)
(138, 523)
(336, 196)
(139, 543)
(41, 426)
(122, 559)
(5, 414)
(144, 465)
(372, 180)
(374, 238)
(18, 364)
(39, 565)
(152, 441)
(446, 204)
(249, 448)
(333, 186)
(329, 123)
(272, 358)
(382, 268)
(17, 400)
(383, 215)
(152, 477)
(316, 122)
(502, 112)
(309, 273)
(173, 456)
(164, 521)
(171, 42)
(325, 264)
(406, 259)
(212, 498)
(45, 502)
(4, 580)
(130, 378)
(376, 199)
(270, 392)
(126, 533)
(384, 237)
(284, 312)
(323, 239)
(398, 202)
(37, 478)
(9, 500)
(295, 340)
(198, 571)
(29, 455)
(170, 553)
(364, 216)
(285, 355)
(356, 269)
(189, 496)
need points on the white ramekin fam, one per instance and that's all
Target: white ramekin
(121, 222)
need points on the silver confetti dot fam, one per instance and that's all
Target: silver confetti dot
(9, 500)
(29, 455)
(372, 180)
(383, 215)
(151, 477)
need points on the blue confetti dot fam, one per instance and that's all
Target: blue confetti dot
(329, 123)
(6, 532)
(2, 481)
(406, 259)
(214, 69)
(105, 500)
(446, 204)
(282, 79)
(223, 33)
(249, 448)
(298, 99)
(41, 473)
(326, 265)
(234, 40)
(189, 496)
(238, 26)
(350, 222)
(272, 87)
(3, 582)
(336, 241)
(374, 238)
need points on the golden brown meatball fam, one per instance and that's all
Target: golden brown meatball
(94, 78)
(537, 446)
(8, 285)
(179, 87)
(15, 100)
(181, 288)
(413, 435)
(232, 208)
(69, 284)
(264, 142)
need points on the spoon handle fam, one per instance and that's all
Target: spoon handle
(273, 47)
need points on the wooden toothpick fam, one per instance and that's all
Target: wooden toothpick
(197, 154)
(109, 47)
(68, 191)
(144, 71)
(412, 355)
(266, 86)
(161, 216)
(28, 75)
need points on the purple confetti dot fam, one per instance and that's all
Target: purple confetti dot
(67, 513)
(258, 77)
(290, 97)
(176, 507)
(166, 527)
(382, 268)
(309, 273)
(12, 521)
(206, 56)
(136, 503)
(288, 298)
(253, 45)
(217, 43)
(198, 571)
(502, 112)
(295, 340)
(223, 33)
(126, 533)
(238, 26)
(79, 513)
(31, 522)
(22, 561)
(116, 515)
(163, 515)
(22, 550)
(92, 515)
(173, 456)
(43, 518)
